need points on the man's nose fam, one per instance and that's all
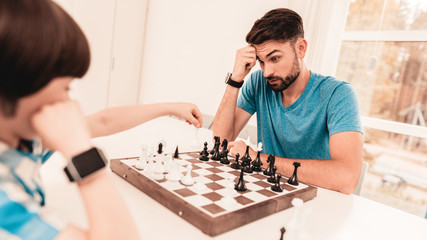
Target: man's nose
(268, 71)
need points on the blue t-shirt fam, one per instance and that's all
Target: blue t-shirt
(301, 130)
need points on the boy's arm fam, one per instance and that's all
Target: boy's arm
(62, 127)
(117, 119)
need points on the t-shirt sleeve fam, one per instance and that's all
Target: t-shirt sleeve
(17, 221)
(343, 110)
(246, 100)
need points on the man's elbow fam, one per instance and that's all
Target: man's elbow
(349, 183)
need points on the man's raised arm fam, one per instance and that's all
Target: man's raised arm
(229, 119)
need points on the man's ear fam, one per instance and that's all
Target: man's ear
(301, 47)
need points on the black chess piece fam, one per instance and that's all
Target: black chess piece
(272, 178)
(276, 187)
(282, 232)
(160, 149)
(240, 185)
(204, 154)
(246, 164)
(176, 154)
(236, 164)
(224, 146)
(216, 138)
(224, 159)
(256, 163)
(216, 155)
(246, 156)
(293, 180)
(271, 159)
(204, 149)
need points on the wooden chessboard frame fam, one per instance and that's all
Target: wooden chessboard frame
(209, 225)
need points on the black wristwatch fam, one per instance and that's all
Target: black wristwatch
(232, 83)
(85, 164)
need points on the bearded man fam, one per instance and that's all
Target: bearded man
(301, 115)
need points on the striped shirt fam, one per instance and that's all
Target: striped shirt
(22, 200)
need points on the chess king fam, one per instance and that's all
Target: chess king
(301, 115)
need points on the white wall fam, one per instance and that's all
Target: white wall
(190, 44)
(115, 31)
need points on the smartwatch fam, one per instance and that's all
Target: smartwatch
(85, 164)
(232, 83)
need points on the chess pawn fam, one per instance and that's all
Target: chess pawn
(256, 164)
(142, 162)
(240, 185)
(293, 180)
(187, 179)
(236, 164)
(246, 156)
(276, 187)
(272, 178)
(205, 148)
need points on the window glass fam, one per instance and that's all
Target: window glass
(366, 15)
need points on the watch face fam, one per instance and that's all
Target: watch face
(88, 162)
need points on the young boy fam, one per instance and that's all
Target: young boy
(41, 51)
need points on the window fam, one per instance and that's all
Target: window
(384, 56)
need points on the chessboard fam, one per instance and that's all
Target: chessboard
(205, 208)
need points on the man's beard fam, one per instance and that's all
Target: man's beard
(285, 83)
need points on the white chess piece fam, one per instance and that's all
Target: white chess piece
(200, 186)
(142, 162)
(158, 169)
(293, 229)
(259, 147)
(187, 179)
(228, 197)
(195, 142)
(167, 163)
(150, 166)
(174, 174)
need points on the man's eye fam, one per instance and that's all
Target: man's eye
(261, 62)
(275, 59)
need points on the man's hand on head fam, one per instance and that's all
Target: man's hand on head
(244, 62)
(62, 127)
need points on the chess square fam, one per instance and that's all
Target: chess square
(214, 170)
(226, 168)
(227, 175)
(213, 208)
(225, 192)
(243, 200)
(228, 206)
(200, 191)
(255, 196)
(202, 171)
(260, 176)
(171, 186)
(249, 178)
(213, 196)
(214, 164)
(185, 157)
(267, 193)
(253, 187)
(263, 184)
(198, 200)
(214, 177)
(225, 182)
(214, 186)
(185, 192)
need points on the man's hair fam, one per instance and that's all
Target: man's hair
(279, 24)
(39, 41)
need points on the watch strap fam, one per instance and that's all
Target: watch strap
(233, 83)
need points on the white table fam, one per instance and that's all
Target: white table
(331, 215)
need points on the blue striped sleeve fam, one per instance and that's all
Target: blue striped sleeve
(16, 220)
